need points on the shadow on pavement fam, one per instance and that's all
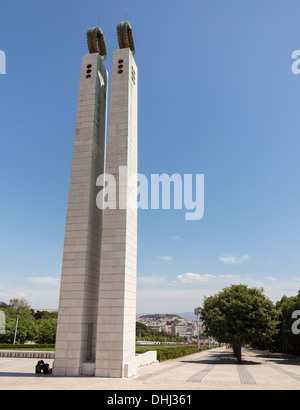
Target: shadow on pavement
(224, 357)
(278, 358)
(16, 374)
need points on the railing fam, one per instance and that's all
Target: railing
(27, 354)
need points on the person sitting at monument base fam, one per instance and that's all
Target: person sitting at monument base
(38, 367)
(46, 368)
(42, 367)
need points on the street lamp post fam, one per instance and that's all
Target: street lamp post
(18, 314)
(197, 315)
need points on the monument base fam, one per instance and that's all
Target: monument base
(130, 369)
(144, 359)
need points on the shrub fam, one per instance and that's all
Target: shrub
(4, 346)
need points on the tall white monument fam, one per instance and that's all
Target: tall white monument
(97, 307)
(117, 291)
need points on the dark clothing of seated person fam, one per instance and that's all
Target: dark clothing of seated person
(42, 367)
(46, 368)
(38, 367)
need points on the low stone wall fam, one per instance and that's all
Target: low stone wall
(143, 359)
(27, 354)
(146, 358)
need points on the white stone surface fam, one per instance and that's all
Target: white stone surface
(78, 305)
(117, 287)
(97, 308)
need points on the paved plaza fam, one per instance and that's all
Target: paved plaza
(210, 370)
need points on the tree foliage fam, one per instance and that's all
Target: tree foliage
(286, 341)
(46, 331)
(41, 328)
(240, 315)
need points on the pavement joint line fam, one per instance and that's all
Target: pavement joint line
(199, 376)
(245, 376)
(159, 372)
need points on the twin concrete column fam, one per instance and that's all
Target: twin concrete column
(97, 307)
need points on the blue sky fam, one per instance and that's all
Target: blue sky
(216, 97)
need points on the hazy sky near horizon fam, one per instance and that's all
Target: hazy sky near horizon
(217, 96)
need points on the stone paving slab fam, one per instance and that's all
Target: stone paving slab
(210, 370)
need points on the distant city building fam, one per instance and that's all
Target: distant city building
(173, 324)
(178, 330)
(156, 327)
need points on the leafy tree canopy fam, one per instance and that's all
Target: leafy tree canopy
(286, 341)
(240, 315)
(41, 327)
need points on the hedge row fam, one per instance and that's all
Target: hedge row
(166, 354)
(26, 346)
(172, 352)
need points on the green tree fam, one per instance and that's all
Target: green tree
(240, 315)
(286, 341)
(27, 328)
(20, 304)
(43, 314)
(46, 330)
